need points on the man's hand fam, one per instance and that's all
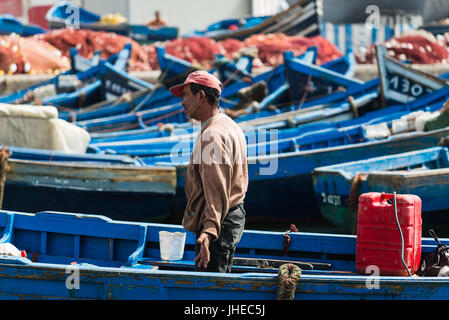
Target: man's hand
(203, 257)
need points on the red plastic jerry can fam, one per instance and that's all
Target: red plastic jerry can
(379, 238)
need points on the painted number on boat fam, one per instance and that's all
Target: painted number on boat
(115, 88)
(313, 87)
(407, 87)
(331, 199)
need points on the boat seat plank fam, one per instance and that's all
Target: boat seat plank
(240, 264)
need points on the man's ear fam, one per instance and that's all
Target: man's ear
(202, 94)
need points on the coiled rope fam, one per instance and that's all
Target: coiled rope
(288, 277)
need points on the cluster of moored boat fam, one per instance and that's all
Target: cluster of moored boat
(317, 139)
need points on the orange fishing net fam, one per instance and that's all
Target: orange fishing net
(29, 55)
(419, 47)
(88, 41)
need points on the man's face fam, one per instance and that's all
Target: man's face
(190, 103)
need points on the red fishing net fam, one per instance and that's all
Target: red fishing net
(200, 50)
(272, 46)
(419, 47)
(88, 41)
(29, 55)
(49, 53)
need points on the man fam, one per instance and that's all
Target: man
(157, 21)
(217, 176)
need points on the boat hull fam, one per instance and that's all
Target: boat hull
(49, 282)
(134, 193)
(281, 186)
(131, 206)
(423, 173)
(76, 256)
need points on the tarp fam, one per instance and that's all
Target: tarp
(39, 127)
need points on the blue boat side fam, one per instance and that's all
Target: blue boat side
(75, 256)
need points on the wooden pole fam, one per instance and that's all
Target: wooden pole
(4, 168)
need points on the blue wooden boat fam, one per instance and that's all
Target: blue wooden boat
(301, 18)
(276, 87)
(9, 24)
(344, 65)
(318, 117)
(61, 16)
(67, 83)
(80, 63)
(110, 83)
(174, 70)
(400, 83)
(226, 26)
(229, 71)
(282, 178)
(22, 153)
(78, 256)
(361, 98)
(149, 144)
(155, 131)
(422, 172)
(79, 66)
(114, 186)
(341, 105)
(308, 81)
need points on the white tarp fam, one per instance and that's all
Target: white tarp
(39, 127)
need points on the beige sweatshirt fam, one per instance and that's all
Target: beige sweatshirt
(217, 175)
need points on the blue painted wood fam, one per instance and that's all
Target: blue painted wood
(116, 186)
(9, 24)
(308, 81)
(137, 255)
(145, 145)
(124, 115)
(8, 232)
(81, 63)
(110, 83)
(401, 83)
(85, 95)
(162, 113)
(281, 181)
(104, 272)
(58, 156)
(422, 172)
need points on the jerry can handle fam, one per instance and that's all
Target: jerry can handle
(386, 197)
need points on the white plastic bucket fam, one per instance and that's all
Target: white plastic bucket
(172, 245)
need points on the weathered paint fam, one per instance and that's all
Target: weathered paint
(106, 277)
(139, 193)
(382, 175)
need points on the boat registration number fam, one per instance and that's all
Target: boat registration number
(332, 199)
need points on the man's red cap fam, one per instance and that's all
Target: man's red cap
(200, 77)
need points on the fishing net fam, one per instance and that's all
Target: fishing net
(29, 55)
(272, 46)
(88, 41)
(419, 47)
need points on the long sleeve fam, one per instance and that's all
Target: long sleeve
(217, 176)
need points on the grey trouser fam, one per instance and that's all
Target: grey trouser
(222, 250)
